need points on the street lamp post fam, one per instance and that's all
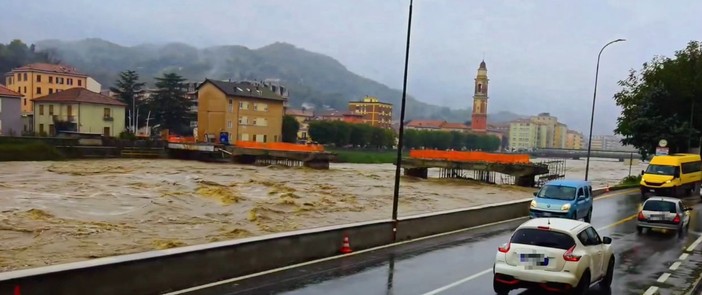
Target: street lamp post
(398, 160)
(592, 115)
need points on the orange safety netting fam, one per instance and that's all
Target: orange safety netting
(280, 146)
(181, 139)
(469, 156)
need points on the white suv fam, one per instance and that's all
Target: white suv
(555, 254)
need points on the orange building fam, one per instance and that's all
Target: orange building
(40, 79)
(373, 111)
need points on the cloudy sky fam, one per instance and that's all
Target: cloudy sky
(541, 55)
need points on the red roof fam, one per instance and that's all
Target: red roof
(449, 125)
(426, 124)
(6, 92)
(79, 95)
(51, 68)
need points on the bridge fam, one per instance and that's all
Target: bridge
(577, 154)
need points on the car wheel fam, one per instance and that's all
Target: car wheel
(588, 218)
(500, 288)
(583, 284)
(606, 282)
(681, 230)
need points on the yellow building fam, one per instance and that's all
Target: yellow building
(560, 136)
(303, 117)
(40, 79)
(523, 134)
(574, 140)
(81, 110)
(375, 112)
(248, 111)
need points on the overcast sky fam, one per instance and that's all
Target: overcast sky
(541, 55)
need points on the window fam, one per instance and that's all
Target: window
(229, 124)
(51, 110)
(231, 105)
(41, 128)
(51, 80)
(275, 138)
(38, 78)
(106, 112)
(265, 138)
(243, 105)
(41, 110)
(106, 131)
(80, 82)
(38, 90)
(25, 77)
(51, 90)
(543, 238)
(244, 120)
(25, 89)
(245, 137)
(691, 167)
(659, 206)
(69, 81)
(19, 78)
(69, 110)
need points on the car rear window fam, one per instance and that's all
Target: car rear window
(659, 206)
(543, 238)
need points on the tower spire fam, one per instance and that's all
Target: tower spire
(480, 100)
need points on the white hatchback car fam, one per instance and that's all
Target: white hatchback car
(554, 254)
(663, 213)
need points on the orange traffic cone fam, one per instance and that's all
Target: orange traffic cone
(346, 246)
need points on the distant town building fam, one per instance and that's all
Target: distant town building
(480, 100)
(609, 143)
(334, 115)
(523, 134)
(303, 117)
(248, 111)
(40, 79)
(81, 110)
(574, 140)
(430, 125)
(10, 112)
(93, 85)
(373, 111)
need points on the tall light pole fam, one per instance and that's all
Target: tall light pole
(592, 115)
(398, 161)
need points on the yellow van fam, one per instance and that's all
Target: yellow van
(673, 175)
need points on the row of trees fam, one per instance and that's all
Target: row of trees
(450, 140)
(169, 107)
(661, 100)
(342, 133)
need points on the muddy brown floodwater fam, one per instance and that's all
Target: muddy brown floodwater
(58, 212)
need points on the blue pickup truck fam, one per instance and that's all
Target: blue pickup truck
(562, 198)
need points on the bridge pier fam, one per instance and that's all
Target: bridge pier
(621, 159)
(417, 172)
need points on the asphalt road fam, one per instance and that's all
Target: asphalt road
(462, 263)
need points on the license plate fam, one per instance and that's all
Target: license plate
(546, 214)
(656, 217)
(533, 260)
(652, 190)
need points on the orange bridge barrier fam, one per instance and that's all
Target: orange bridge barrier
(180, 139)
(280, 146)
(469, 156)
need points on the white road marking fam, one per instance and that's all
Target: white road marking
(651, 290)
(456, 283)
(683, 256)
(663, 278)
(675, 265)
(694, 244)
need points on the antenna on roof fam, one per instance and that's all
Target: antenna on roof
(549, 221)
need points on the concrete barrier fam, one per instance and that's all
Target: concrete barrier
(161, 271)
(157, 272)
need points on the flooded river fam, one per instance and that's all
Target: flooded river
(57, 212)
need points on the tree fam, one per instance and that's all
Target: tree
(17, 53)
(170, 106)
(128, 87)
(290, 128)
(660, 101)
(342, 133)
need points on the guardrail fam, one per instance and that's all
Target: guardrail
(156, 272)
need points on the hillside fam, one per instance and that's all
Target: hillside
(311, 77)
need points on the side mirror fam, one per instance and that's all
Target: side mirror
(606, 240)
(535, 193)
(642, 172)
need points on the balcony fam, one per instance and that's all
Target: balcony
(107, 118)
(58, 118)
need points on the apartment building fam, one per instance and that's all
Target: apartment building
(248, 111)
(79, 109)
(10, 112)
(375, 112)
(574, 140)
(303, 117)
(40, 79)
(524, 134)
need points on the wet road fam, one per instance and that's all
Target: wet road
(462, 263)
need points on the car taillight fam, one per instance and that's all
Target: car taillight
(504, 248)
(677, 218)
(569, 256)
(641, 216)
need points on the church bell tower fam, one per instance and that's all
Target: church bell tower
(480, 100)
